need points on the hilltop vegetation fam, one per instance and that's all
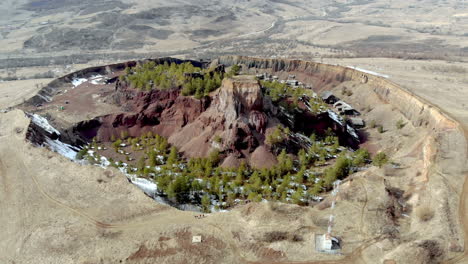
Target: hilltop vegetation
(193, 80)
(279, 91)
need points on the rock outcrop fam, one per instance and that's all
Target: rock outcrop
(234, 123)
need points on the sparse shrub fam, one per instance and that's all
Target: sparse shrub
(424, 213)
(400, 124)
(343, 90)
(362, 155)
(372, 124)
(297, 238)
(380, 129)
(433, 249)
(380, 159)
(91, 160)
(117, 143)
(235, 70)
(213, 157)
(275, 236)
(123, 134)
(206, 202)
(80, 155)
(278, 135)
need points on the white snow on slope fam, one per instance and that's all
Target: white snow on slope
(352, 132)
(147, 186)
(335, 117)
(61, 148)
(338, 119)
(369, 72)
(97, 79)
(42, 122)
(77, 81)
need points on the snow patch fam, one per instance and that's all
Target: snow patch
(43, 123)
(149, 187)
(78, 81)
(61, 148)
(97, 79)
(369, 72)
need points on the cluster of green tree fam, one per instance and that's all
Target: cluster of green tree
(322, 149)
(380, 159)
(317, 105)
(278, 91)
(294, 179)
(202, 86)
(193, 80)
(278, 135)
(235, 70)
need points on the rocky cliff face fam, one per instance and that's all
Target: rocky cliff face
(160, 111)
(234, 120)
(413, 107)
(235, 123)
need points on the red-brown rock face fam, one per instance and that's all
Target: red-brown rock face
(236, 116)
(161, 111)
(233, 120)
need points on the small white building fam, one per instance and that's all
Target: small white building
(327, 244)
(196, 239)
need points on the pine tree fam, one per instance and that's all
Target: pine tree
(297, 196)
(303, 159)
(255, 181)
(173, 157)
(380, 159)
(141, 164)
(206, 203)
(213, 157)
(199, 93)
(152, 158)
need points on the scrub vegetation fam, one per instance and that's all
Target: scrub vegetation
(297, 178)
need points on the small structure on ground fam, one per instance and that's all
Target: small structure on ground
(329, 98)
(196, 239)
(292, 82)
(345, 109)
(327, 244)
(356, 122)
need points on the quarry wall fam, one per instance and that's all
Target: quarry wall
(414, 108)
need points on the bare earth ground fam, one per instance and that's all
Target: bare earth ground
(15, 92)
(444, 84)
(71, 213)
(55, 211)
